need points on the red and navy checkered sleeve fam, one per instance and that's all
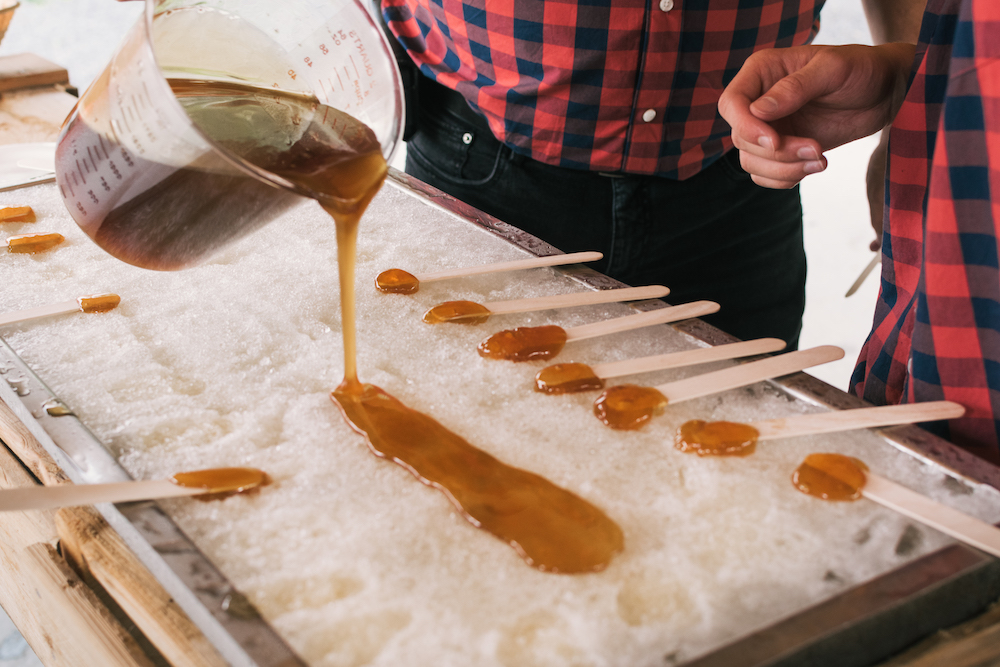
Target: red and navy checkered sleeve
(937, 325)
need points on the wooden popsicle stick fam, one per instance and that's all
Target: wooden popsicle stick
(199, 482)
(39, 312)
(628, 322)
(577, 299)
(846, 420)
(704, 355)
(96, 303)
(68, 495)
(864, 274)
(744, 374)
(516, 265)
(949, 521)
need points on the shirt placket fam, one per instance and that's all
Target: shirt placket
(653, 86)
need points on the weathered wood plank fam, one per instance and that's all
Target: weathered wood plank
(27, 70)
(28, 450)
(61, 619)
(103, 558)
(974, 643)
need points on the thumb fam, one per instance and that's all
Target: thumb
(794, 91)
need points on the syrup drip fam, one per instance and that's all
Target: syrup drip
(552, 529)
(567, 379)
(716, 438)
(524, 344)
(397, 281)
(628, 406)
(32, 243)
(831, 477)
(459, 312)
(222, 482)
(17, 214)
(100, 303)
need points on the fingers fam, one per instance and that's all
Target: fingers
(764, 91)
(784, 166)
(735, 102)
(772, 173)
(767, 88)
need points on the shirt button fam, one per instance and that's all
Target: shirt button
(649, 115)
(467, 138)
(666, 5)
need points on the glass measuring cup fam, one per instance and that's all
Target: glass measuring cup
(173, 151)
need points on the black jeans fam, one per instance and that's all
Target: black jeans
(715, 236)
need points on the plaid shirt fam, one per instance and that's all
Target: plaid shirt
(936, 333)
(615, 86)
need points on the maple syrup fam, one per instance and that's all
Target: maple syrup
(222, 482)
(524, 344)
(719, 438)
(33, 243)
(552, 529)
(629, 406)
(567, 378)
(397, 281)
(17, 214)
(458, 312)
(831, 477)
(99, 303)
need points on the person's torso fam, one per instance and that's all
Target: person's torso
(620, 85)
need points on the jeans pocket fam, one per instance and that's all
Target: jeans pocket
(455, 151)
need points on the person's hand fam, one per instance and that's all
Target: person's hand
(787, 106)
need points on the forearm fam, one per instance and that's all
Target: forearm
(901, 55)
(894, 20)
(890, 21)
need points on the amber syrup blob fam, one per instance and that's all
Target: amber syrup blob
(33, 243)
(457, 312)
(551, 528)
(831, 476)
(524, 344)
(718, 438)
(568, 378)
(221, 483)
(628, 406)
(99, 303)
(397, 281)
(17, 214)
